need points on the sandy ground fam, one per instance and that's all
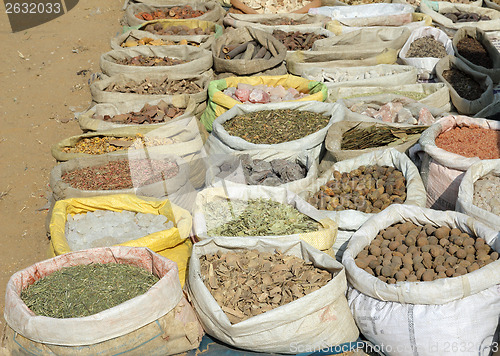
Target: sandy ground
(40, 90)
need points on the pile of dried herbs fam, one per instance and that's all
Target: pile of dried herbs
(83, 290)
(255, 217)
(376, 136)
(275, 126)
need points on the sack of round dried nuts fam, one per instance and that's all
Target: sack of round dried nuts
(421, 277)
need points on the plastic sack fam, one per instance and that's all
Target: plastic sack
(158, 242)
(260, 20)
(199, 60)
(465, 106)
(425, 64)
(353, 219)
(219, 103)
(319, 318)
(442, 171)
(323, 239)
(448, 316)
(465, 199)
(160, 320)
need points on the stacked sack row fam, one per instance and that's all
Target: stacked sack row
(317, 179)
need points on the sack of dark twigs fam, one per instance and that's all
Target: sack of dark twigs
(148, 60)
(470, 90)
(321, 317)
(247, 51)
(474, 48)
(137, 14)
(134, 326)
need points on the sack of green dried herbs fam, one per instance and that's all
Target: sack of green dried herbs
(158, 176)
(212, 10)
(487, 62)
(276, 21)
(230, 210)
(175, 89)
(230, 168)
(321, 317)
(218, 102)
(470, 90)
(381, 75)
(135, 326)
(288, 126)
(180, 137)
(436, 95)
(358, 135)
(131, 39)
(196, 61)
(352, 218)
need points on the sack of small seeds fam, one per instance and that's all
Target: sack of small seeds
(279, 133)
(212, 11)
(401, 183)
(175, 89)
(470, 90)
(287, 169)
(425, 47)
(129, 327)
(443, 170)
(146, 60)
(439, 10)
(278, 21)
(474, 48)
(233, 37)
(316, 320)
(475, 188)
(231, 210)
(134, 38)
(426, 315)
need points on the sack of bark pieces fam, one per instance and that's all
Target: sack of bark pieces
(343, 204)
(224, 93)
(137, 14)
(177, 89)
(365, 42)
(288, 169)
(134, 38)
(299, 61)
(247, 51)
(273, 6)
(470, 91)
(447, 15)
(474, 48)
(321, 317)
(299, 39)
(134, 326)
(275, 21)
(146, 60)
(436, 95)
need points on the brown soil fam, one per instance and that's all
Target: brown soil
(474, 51)
(465, 86)
(41, 89)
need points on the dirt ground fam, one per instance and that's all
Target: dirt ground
(40, 91)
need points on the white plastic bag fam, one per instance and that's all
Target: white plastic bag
(449, 316)
(319, 318)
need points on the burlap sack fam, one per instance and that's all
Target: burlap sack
(315, 30)
(100, 95)
(464, 106)
(365, 42)
(434, 94)
(436, 9)
(492, 4)
(491, 112)
(247, 67)
(213, 11)
(260, 21)
(204, 42)
(299, 61)
(200, 60)
(480, 35)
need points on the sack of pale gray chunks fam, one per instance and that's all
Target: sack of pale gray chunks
(160, 320)
(416, 310)
(442, 171)
(321, 317)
